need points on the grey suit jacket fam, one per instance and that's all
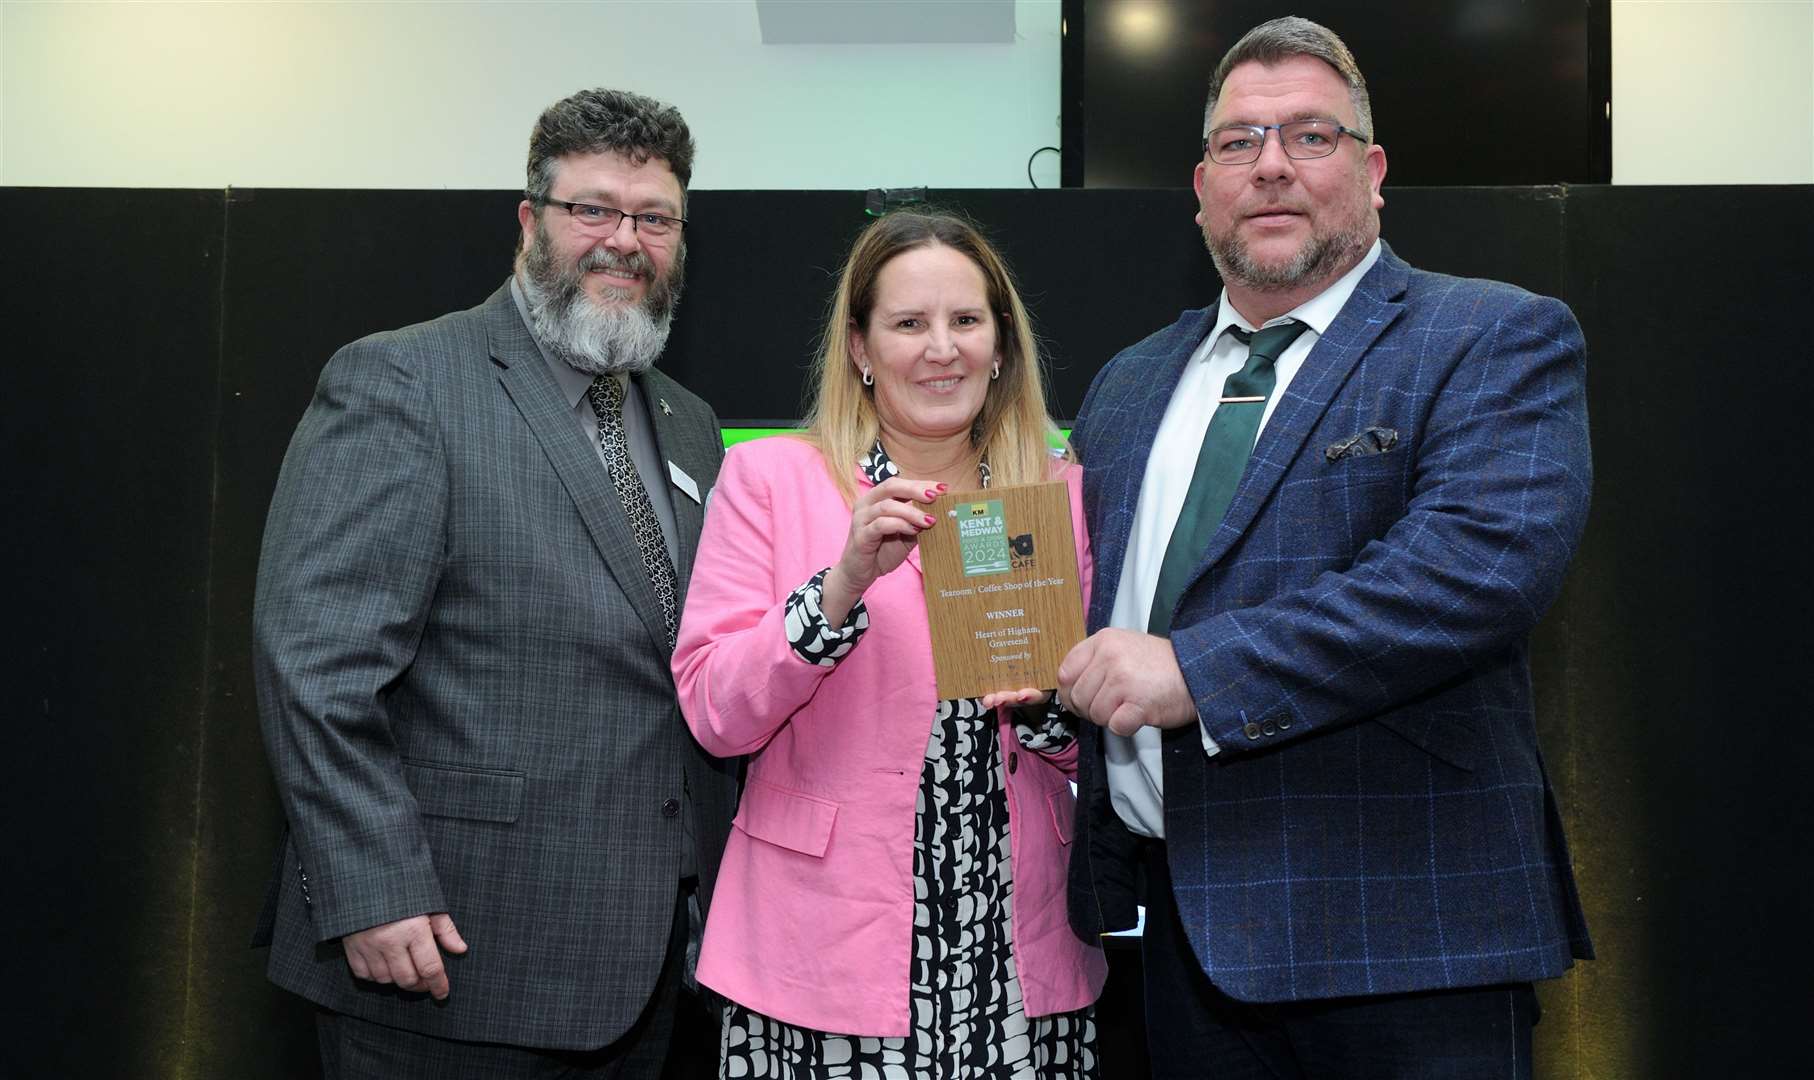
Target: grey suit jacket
(464, 688)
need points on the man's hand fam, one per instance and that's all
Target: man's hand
(404, 952)
(1124, 681)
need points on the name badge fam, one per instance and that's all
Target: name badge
(683, 481)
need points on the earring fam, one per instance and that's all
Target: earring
(868, 379)
(995, 372)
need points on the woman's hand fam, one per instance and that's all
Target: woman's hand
(1024, 698)
(884, 525)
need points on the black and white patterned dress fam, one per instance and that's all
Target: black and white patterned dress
(968, 1022)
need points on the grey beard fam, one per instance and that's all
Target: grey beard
(1315, 261)
(589, 337)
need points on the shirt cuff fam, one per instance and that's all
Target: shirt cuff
(811, 637)
(1049, 733)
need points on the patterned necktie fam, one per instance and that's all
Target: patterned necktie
(607, 397)
(1226, 447)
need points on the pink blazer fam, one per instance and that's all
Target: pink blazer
(812, 916)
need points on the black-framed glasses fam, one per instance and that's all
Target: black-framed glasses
(1240, 144)
(595, 218)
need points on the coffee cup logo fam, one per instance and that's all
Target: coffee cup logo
(1020, 550)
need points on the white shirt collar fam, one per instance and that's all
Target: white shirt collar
(1318, 312)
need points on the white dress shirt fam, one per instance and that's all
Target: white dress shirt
(1135, 772)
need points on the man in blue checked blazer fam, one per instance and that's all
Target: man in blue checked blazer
(1326, 513)
(500, 829)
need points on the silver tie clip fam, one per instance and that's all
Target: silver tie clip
(1239, 400)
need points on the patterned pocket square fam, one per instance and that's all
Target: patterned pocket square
(1374, 440)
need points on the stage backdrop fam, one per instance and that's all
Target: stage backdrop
(162, 345)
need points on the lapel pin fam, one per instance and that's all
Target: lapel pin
(663, 402)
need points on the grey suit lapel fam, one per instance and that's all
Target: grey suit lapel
(688, 439)
(1376, 302)
(538, 398)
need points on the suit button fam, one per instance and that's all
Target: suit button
(1251, 730)
(1269, 728)
(1284, 723)
(670, 808)
(1013, 760)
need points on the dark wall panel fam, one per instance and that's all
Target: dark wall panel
(1686, 626)
(112, 341)
(166, 342)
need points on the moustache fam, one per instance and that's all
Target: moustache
(604, 259)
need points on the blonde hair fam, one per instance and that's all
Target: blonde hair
(1013, 429)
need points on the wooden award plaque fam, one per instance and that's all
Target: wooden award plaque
(1002, 591)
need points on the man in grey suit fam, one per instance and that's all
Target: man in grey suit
(499, 827)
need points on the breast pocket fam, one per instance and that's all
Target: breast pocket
(1362, 470)
(1334, 508)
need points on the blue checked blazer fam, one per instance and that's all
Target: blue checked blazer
(1355, 637)
(464, 687)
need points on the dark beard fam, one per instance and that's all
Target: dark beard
(589, 337)
(1317, 260)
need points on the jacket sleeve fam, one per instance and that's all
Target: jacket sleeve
(1498, 499)
(353, 547)
(739, 679)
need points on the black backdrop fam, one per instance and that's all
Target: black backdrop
(162, 344)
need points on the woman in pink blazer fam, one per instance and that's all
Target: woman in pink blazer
(892, 899)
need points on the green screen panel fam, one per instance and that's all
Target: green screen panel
(735, 435)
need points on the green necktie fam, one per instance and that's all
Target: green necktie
(1227, 444)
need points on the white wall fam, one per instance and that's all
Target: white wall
(426, 95)
(1712, 91)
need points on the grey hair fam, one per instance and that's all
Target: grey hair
(1282, 39)
(596, 121)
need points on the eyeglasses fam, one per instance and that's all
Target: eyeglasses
(595, 218)
(1241, 144)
